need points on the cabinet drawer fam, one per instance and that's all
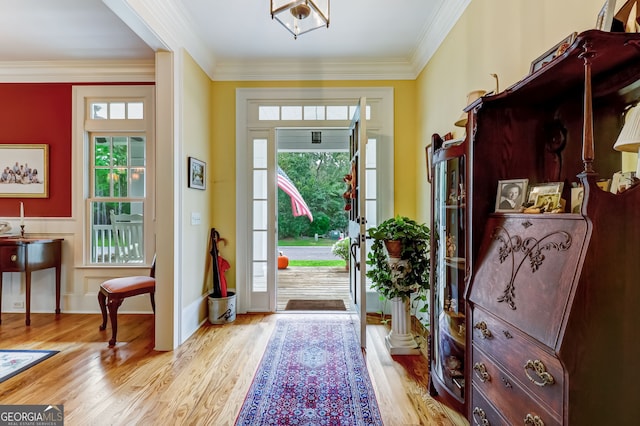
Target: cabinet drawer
(12, 258)
(483, 413)
(526, 360)
(506, 394)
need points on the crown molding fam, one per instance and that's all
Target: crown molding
(322, 70)
(164, 25)
(77, 71)
(436, 31)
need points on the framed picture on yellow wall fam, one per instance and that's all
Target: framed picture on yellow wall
(197, 173)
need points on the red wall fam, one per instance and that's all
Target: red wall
(40, 113)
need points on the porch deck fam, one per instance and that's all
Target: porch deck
(315, 283)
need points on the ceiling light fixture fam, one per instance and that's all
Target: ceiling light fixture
(301, 16)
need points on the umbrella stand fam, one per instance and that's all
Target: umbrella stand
(221, 302)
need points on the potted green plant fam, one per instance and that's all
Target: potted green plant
(404, 273)
(400, 276)
(341, 249)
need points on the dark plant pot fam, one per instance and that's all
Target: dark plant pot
(394, 248)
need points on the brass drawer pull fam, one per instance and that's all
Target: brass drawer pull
(532, 420)
(483, 417)
(541, 371)
(482, 326)
(14, 257)
(480, 370)
(507, 334)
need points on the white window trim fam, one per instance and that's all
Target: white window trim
(381, 122)
(81, 155)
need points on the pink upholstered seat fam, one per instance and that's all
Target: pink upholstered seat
(128, 284)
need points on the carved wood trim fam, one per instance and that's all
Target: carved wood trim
(531, 248)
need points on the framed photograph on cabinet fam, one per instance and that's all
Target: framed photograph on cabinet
(620, 182)
(197, 173)
(24, 170)
(543, 189)
(552, 53)
(577, 195)
(548, 202)
(511, 195)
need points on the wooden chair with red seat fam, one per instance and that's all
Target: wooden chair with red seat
(114, 291)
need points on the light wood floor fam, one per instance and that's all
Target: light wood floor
(203, 382)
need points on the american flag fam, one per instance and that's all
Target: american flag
(298, 206)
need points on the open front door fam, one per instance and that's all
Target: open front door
(357, 221)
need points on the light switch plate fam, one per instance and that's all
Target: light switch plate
(195, 218)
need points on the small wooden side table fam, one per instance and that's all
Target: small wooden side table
(30, 254)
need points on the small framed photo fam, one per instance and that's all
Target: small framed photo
(552, 53)
(197, 173)
(511, 195)
(548, 202)
(577, 195)
(543, 189)
(620, 182)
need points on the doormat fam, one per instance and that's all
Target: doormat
(315, 305)
(13, 361)
(312, 373)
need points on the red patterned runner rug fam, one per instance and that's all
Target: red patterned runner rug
(312, 373)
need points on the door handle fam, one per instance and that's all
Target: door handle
(355, 242)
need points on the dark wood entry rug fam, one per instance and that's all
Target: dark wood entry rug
(315, 305)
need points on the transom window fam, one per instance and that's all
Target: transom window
(117, 110)
(299, 112)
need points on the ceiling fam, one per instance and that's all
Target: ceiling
(239, 36)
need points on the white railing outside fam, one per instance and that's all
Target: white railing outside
(107, 249)
(102, 244)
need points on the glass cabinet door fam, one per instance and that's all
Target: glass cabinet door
(448, 274)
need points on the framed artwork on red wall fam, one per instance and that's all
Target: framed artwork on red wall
(24, 170)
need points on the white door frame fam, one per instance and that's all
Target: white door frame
(382, 121)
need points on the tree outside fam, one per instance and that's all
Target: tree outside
(318, 177)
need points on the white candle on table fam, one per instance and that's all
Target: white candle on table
(21, 213)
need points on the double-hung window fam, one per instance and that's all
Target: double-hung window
(118, 177)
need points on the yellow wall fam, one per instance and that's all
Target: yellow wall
(223, 164)
(196, 143)
(492, 36)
